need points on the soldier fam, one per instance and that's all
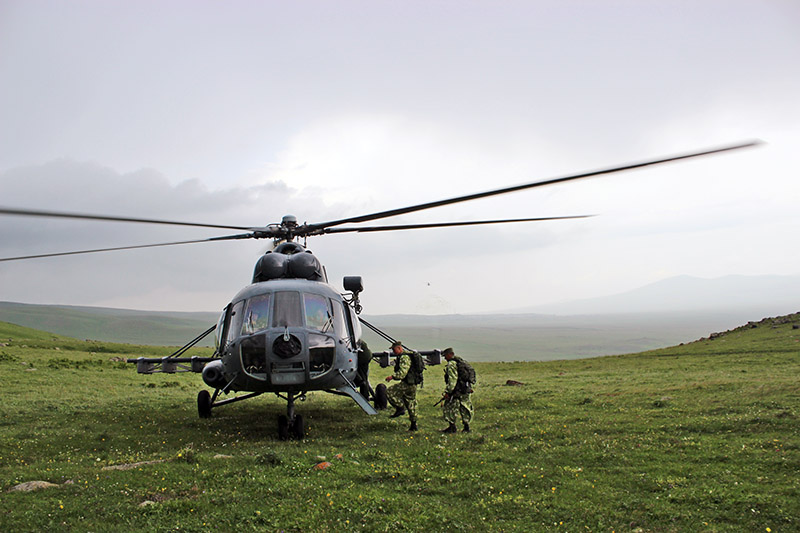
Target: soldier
(362, 372)
(403, 395)
(457, 391)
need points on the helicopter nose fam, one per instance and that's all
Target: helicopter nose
(287, 345)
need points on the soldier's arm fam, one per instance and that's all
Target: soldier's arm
(403, 367)
(452, 377)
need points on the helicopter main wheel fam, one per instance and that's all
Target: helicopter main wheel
(381, 399)
(298, 428)
(283, 427)
(204, 404)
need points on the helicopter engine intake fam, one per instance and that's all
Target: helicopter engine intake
(213, 375)
(277, 265)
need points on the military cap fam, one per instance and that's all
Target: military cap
(447, 351)
(397, 343)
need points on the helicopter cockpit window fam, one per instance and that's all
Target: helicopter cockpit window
(237, 313)
(257, 314)
(338, 319)
(318, 313)
(218, 338)
(288, 310)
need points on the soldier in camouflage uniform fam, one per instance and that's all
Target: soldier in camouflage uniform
(402, 395)
(456, 400)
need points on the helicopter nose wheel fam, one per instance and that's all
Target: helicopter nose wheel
(204, 404)
(283, 427)
(296, 429)
(291, 425)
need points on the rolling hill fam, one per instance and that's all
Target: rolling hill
(672, 311)
(112, 325)
(515, 337)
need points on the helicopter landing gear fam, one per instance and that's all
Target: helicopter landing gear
(204, 404)
(296, 429)
(291, 425)
(283, 427)
(299, 427)
(380, 398)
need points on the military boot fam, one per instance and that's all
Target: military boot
(413, 426)
(398, 412)
(466, 427)
(450, 429)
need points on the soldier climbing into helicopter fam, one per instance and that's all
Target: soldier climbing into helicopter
(459, 379)
(408, 369)
(362, 374)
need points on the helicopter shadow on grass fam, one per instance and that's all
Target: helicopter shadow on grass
(257, 420)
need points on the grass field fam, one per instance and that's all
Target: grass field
(703, 436)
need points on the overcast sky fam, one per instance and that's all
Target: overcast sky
(242, 112)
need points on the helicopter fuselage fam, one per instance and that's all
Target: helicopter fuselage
(285, 335)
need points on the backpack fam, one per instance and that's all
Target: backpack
(414, 376)
(466, 376)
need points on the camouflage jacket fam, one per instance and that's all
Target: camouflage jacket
(402, 366)
(450, 376)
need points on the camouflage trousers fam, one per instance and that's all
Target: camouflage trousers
(404, 396)
(455, 406)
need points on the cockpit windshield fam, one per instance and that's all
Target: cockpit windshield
(318, 314)
(256, 315)
(288, 311)
(284, 309)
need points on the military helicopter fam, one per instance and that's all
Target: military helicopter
(290, 332)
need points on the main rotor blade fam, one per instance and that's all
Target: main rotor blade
(78, 252)
(445, 224)
(85, 216)
(458, 199)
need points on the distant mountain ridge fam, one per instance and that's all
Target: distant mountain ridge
(673, 311)
(108, 324)
(758, 295)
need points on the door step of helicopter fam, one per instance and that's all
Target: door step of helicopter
(360, 400)
(350, 390)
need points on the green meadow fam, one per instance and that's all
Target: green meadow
(703, 436)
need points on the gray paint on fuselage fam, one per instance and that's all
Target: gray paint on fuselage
(345, 359)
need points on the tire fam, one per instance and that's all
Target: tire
(283, 427)
(204, 404)
(381, 400)
(298, 428)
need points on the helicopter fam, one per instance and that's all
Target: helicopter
(289, 332)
